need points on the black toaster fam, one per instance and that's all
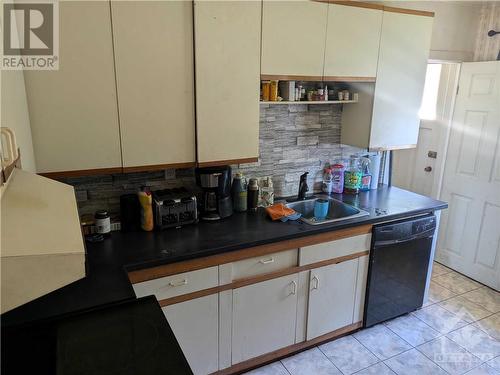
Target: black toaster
(174, 208)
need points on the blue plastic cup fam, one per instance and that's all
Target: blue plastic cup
(321, 208)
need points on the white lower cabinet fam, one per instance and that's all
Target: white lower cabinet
(332, 291)
(195, 324)
(264, 317)
(359, 303)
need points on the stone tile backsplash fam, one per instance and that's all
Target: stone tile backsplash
(293, 139)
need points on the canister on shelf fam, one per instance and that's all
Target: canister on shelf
(266, 86)
(273, 91)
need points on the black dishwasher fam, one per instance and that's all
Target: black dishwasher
(397, 273)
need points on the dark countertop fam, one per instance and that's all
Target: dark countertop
(107, 281)
(127, 338)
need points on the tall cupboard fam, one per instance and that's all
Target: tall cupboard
(227, 53)
(293, 38)
(352, 43)
(73, 110)
(153, 45)
(392, 122)
(404, 51)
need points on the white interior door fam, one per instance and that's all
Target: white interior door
(469, 240)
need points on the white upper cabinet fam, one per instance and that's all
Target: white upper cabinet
(404, 51)
(352, 42)
(293, 37)
(153, 43)
(227, 50)
(73, 110)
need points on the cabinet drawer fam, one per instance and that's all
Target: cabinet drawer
(264, 264)
(334, 249)
(175, 285)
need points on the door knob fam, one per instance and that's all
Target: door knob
(428, 169)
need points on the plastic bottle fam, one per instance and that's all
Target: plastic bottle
(327, 181)
(239, 193)
(338, 178)
(266, 192)
(366, 178)
(146, 201)
(352, 176)
(253, 194)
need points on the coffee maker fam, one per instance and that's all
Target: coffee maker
(215, 183)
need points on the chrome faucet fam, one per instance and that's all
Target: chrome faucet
(303, 188)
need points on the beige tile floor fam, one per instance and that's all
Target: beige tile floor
(456, 332)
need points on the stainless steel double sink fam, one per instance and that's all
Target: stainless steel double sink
(337, 210)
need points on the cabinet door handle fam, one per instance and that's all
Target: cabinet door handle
(178, 283)
(294, 287)
(315, 282)
(266, 261)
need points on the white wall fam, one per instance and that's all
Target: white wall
(455, 27)
(14, 112)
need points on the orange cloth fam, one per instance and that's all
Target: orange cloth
(279, 210)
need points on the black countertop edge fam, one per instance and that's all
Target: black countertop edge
(318, 229)
(109, 261)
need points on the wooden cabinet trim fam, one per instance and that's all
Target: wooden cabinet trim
(145, 168)
(283, 352)
(280, 77)
(257, 279)
(288, 77)
(231, 256)
(408, 11)
(348, 79)
(217, 163)
(358, 4)
(82, 172)
(361, 4)
(116, 170)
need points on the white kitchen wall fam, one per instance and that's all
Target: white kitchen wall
(14, 113)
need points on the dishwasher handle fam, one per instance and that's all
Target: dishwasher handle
(426, 234)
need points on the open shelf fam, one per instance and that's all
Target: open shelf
(313, 102)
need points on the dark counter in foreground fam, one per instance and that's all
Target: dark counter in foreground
(127, 338)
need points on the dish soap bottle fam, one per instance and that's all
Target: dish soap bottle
(146, 201)
(366, 178)
(352, 176)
